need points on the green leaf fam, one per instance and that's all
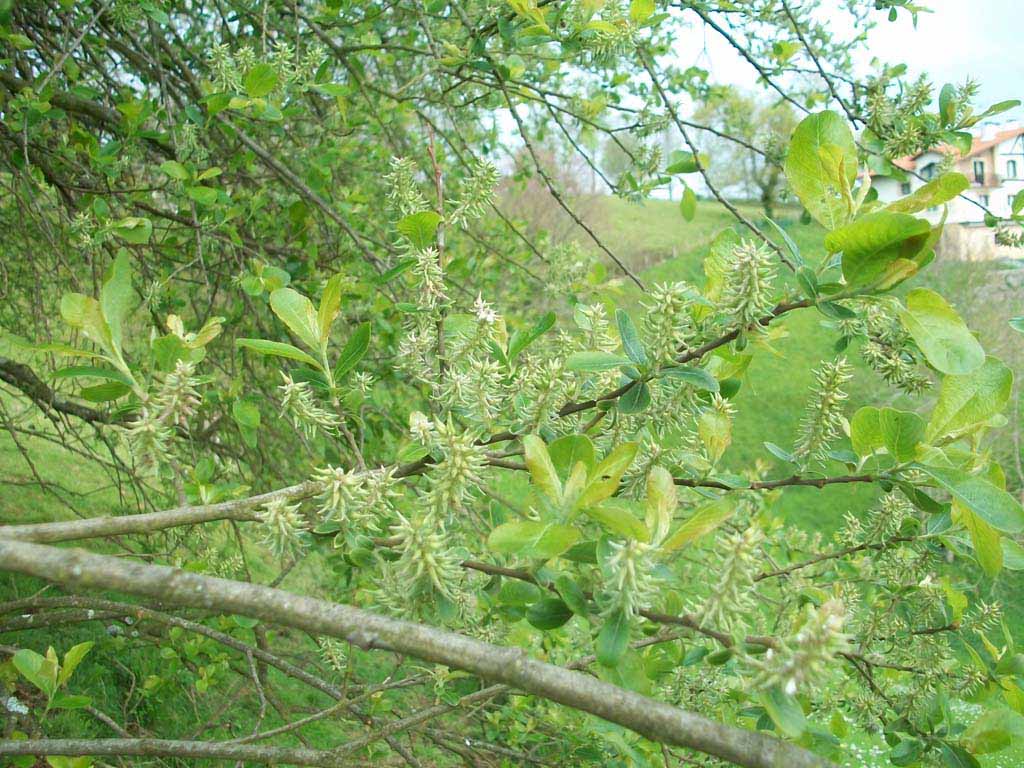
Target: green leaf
(69, 701)
(640, 10)
(330, 305)
(117, 299)
(985, 539)
(821, 166)
(873, 242)
(521, 341)
(947, 105)
(703, 521)
(296, 311)
(542, 470)
(604, 480)
(617, 516)
(102, 393)
(133, 229)
(969, 400)
(569, 449)
(37, 669)
(696, 377)
(84, 312)
(595, 361)
(353, 351)
(937, 191)
(994, 505)
(661, 503)
(530, 538)
(613, 639)
(791, 246)
(785, 712)
(902, 432)
(955, 756)
(91, 372)
(549, 613)
(175, 170)
(420, 228)
(571, 593)
(277, 349)
(636, 399)
(202, 194)
(630, 338)
(260, 80)
(939, 332)
(866, 430)
(1013, 555)
(684, 162)
(688, 204)
(995, 730)
(72, 659)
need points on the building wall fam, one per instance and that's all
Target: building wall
(995, 190)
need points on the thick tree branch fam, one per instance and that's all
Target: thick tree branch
(653, 719)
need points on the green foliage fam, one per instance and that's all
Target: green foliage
(470, 416)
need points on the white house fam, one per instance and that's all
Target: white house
(994, 166)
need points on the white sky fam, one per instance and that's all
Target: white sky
(981, 38)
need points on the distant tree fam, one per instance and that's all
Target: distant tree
(748, 157)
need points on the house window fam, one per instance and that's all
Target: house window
(928, 171)
(984, 200)
(979, 171)
(905, 188)
(1011, 169)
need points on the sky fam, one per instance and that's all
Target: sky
(981, 38)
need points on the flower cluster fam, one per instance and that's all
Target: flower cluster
(307, 414)
(361, 498)
(631, 582)
(889, 351)
(476, 194)
(730, 594)
(458, 470)
(403, 193)
(668, 322)
(750, 273)
(823, 417)
(283, 528)
(426, 564)
(803, 659)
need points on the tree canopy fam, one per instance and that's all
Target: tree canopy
(394, 472)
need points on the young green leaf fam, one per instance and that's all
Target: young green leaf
(901, 432)
(531, 538)
(613, 638)
(277, 349)
(873, 242)
(630, 338)
(330, 305)
(936, 192)
(703, 521)
(969, 400)
(595, 361)
(353, 351)
(942, 336)
(260, 80)
(821, 166)
(994, 505)
(296, 311)
(545, 478)
(420, 228)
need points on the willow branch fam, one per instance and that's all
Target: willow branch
(655, 720)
